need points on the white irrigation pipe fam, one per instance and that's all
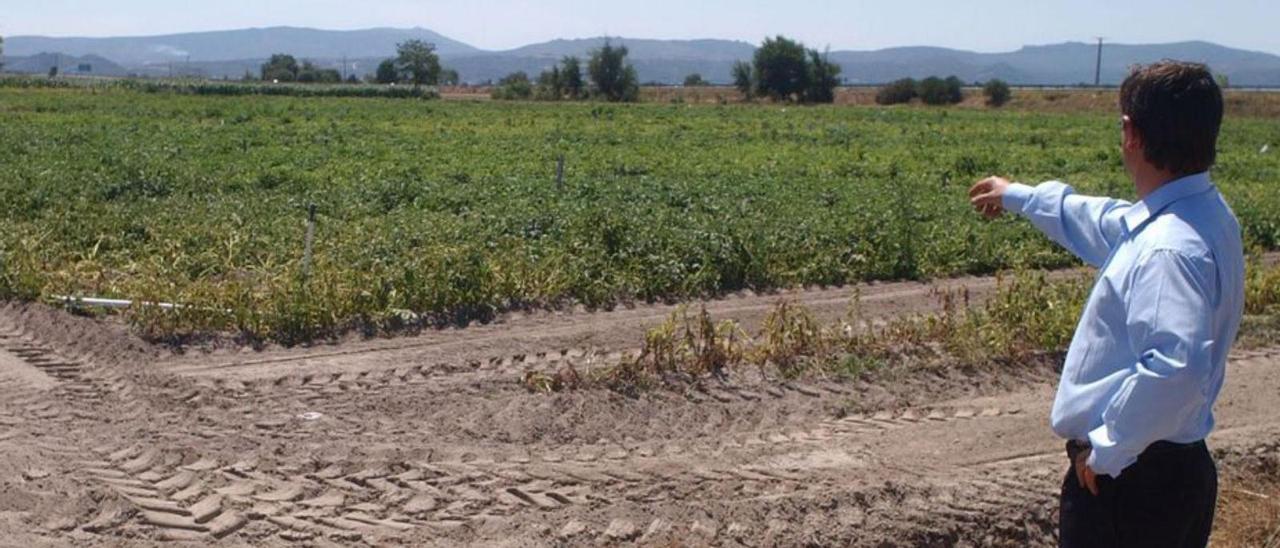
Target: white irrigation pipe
(124, 304)
(109, 303)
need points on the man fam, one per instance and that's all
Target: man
(1147, 360)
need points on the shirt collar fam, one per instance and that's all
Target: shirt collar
(1168, 193)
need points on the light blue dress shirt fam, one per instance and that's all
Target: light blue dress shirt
(1148, 356)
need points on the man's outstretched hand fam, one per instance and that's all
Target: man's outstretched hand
(987, 196)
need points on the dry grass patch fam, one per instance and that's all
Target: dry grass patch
(1029, 316)
(1248, 514)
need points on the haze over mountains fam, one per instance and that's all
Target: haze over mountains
(231, 53)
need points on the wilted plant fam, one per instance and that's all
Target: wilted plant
(689, 346)
(789, 337)
(567, 378)
(1262, 287)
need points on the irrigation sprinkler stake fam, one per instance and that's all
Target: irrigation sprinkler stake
(560, 173)
(311, 234)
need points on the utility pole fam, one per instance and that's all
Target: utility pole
(1097, 69)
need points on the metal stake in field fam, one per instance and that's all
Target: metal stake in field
(311, 233)
(1097, 68)
(560, 173)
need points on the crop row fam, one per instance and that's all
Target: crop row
(451, 211)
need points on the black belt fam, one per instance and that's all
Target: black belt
(1075, 447)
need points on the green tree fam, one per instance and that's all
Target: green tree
(282, 67)
(695, 80)
(781, 69)
(997, 92)
(823, 78)
(743, 79)
(550, 85)
(611, 76)
(311, 74)
(1, 53)
(449, 77)
(571, 77)
(514, 86)
(937, 91)
(898, 91)
(418, 61)
(387, 73)
(955, 89)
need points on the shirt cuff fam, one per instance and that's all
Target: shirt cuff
(1107, 458)
(1016, 197)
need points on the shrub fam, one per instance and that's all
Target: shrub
(896, 92)
(744, 80)
(997, 92)
(936, 91)
(291, 90)
(513, 87)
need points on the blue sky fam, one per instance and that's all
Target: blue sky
(992, 25)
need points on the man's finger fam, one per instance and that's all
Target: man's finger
(1080, 475)
(989, 198)
(1091, 480)
(980, 187)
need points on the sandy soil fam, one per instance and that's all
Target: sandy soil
(431, 440)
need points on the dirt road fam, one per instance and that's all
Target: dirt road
(430, 440)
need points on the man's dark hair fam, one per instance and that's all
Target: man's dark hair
(1177, 109)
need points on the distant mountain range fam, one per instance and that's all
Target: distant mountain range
(231, 53)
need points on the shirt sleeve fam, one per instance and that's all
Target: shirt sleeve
(1170, 331)
(1087, 226)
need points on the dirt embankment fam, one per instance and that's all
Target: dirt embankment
(431, 440)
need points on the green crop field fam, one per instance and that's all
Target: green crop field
(451, 210)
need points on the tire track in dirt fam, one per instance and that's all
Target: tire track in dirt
(64, 401)
(541, 338)
(213, 454)
(462, 491)
(799, 464)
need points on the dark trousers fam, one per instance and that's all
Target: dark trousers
(1165, 499)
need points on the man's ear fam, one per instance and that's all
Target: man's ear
(1132, 139)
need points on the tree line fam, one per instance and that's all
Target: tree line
(609, 77)
(940, 91)
(416, 63)
(782, 70)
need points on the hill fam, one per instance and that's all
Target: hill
(40, 63)
(236, 44)
(232, 53)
